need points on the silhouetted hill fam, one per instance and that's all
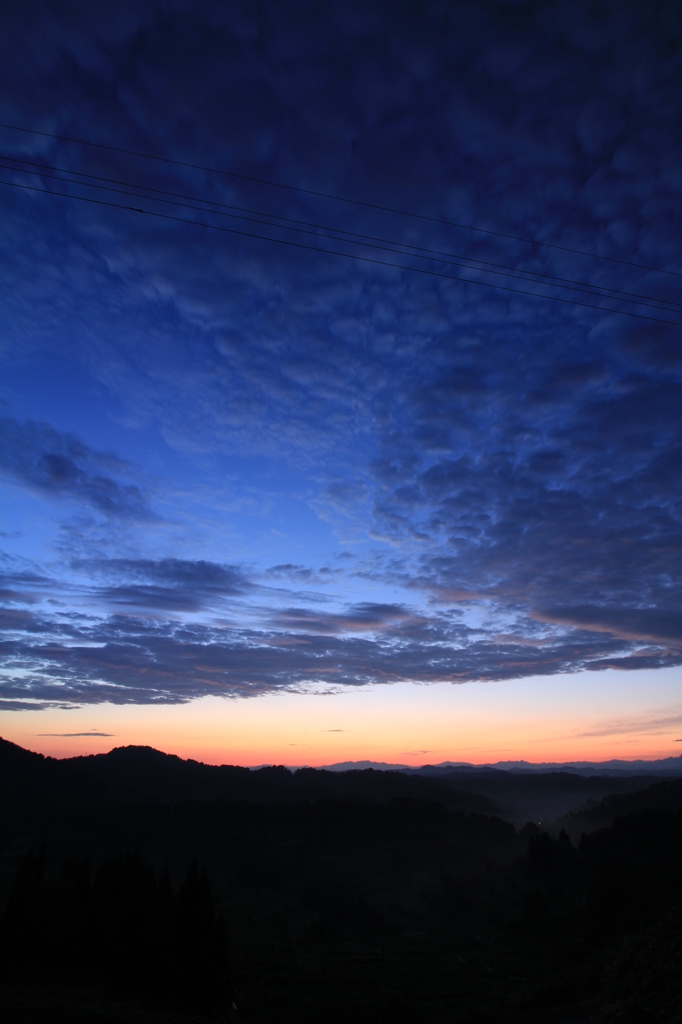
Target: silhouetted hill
(543, 796)
(352, 910)
(31, 784)
(362, 895)
(663, 795)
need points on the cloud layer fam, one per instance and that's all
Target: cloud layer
(361, 474)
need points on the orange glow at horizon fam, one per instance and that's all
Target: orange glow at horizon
(590, 716)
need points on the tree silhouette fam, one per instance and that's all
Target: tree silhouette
(126, 930)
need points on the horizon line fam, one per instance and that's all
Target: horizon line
(368, 762)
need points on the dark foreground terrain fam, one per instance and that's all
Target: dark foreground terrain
(138, 887)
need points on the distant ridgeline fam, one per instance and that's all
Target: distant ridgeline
(124, 929)
(38, 786)
(141, 774)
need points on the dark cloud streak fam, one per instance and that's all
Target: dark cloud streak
(74, 735)
(60, 466)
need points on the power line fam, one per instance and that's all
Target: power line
(507, 272)
(346, 255)
(354, 238)
(339, 199)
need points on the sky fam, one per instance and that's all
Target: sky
(341, 379)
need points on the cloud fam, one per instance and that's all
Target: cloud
(167, 584)
(520, 459)
(73, 735)
(652, 624)
(302, 573)
(659, 722)
(290, 571)
(60, 466)
(361, 617)
(134, 660)
(22, 584)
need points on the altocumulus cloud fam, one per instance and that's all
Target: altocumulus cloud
(127, 661)
(520, 461)
(165, 649)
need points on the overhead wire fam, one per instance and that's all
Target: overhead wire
(337, 234)
(339, 199)
(346, 255)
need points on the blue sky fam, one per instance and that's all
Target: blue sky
(236, 465)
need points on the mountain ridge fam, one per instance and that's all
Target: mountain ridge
(614, 766)
(666, 766)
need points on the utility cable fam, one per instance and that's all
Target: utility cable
(339, 199)
(354, 238)
(346, 255)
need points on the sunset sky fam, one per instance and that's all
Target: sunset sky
(341, 380)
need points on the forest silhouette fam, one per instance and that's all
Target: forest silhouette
(369, 896)
(124, 927)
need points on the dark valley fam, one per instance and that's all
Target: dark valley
(137, 886)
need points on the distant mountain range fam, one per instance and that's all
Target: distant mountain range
(34, 788)
(663, 766)
(667, 766)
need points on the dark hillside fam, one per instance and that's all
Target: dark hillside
(339, 910)
(37, 784)
(33, 784)
(543, 796)
(364, 895)
(664, 795)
